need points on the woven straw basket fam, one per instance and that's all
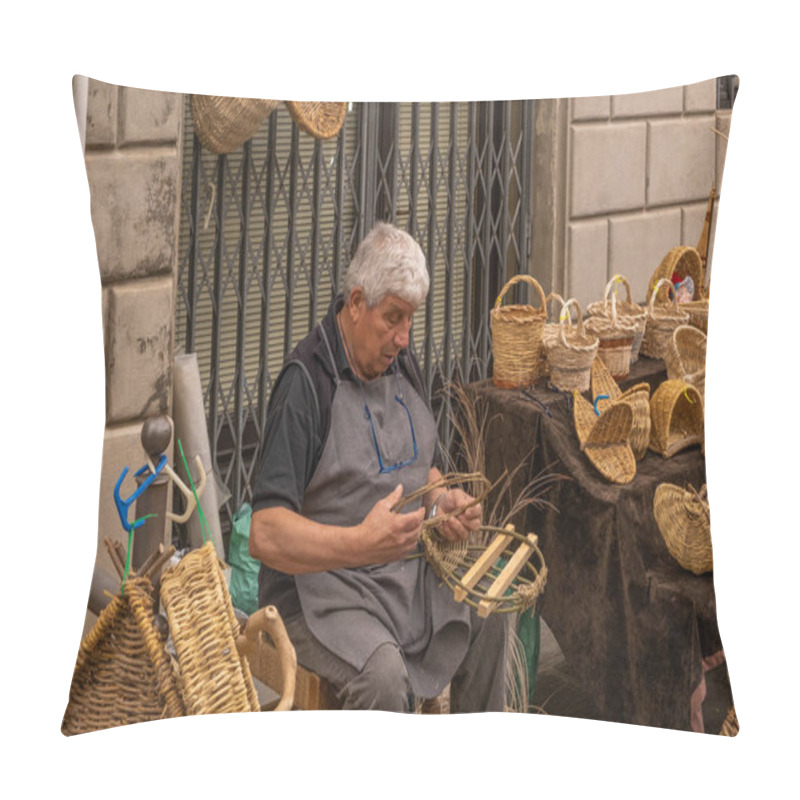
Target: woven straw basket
(730, 725)
(676, 413)
(684, 262)
(320, 120)
(224, 124)
(605, 439)
(517, 332)
(661, 322)
(615, 334)
(686, 356)
(606, 393)
(625, 308)
(571, 352)
(698, 313)
(551, 329)
(683, 518)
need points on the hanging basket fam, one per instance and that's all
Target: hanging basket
(551, 329)
(661, 322)
(320, 120)
(606, 393)
(626, 309)
(571, 352)
(517, 332)
(615, 334)
(224, 124)
(676, 413)
(683, 519)
(686, 356)
(683, 262)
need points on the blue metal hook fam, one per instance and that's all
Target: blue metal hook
(124, 505)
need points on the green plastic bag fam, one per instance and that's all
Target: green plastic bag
(243, 586)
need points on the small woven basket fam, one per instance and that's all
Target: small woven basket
(661, 322)
(625, 308)
(686, 356)
(571, 352)
(606, 393)
(320, 120)
(698, 313)
(615, 334)
(684, 262)
(224, 124)
(683, 519)
(551, 329)
(676, 413)
(517, 332)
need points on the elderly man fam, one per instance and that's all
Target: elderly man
(348, 434)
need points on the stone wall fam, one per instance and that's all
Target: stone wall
(619, 181)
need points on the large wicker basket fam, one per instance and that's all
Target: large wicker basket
(683, 262)
(517, 332)
(224, 124)
(571, 352)
(683, 519)
(686, 356)
(320, 120)
(676, 413)
(625, 308)
(661, 322)
(615, 334)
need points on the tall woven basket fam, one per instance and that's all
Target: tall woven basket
(686, 356)
(615, 334)
(661, 322)
(517, 332)
(625, 308)
(676, 413)
(683, 519)
(683, 262)
(570, 354)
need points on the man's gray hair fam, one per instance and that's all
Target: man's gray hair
(388, 261)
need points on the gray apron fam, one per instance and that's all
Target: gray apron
(354, 611)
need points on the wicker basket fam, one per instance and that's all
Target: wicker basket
(615, 334)
(684, 262)
(571, 352)
(661, 322)
(224, 124)
(606, 393)
(551, 329)
(730, 725)
(625, 308)
(698, 313)
(605, 439)
(517, 332)
(320, 120)
(676, 413)
(682, 516)
(214, 677)
(686, 356)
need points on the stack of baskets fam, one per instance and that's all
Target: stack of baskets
(661, 322)
(677, 417)
(683, 519)
(615, 333)
(686, 356)
(571, 352)
(517, 333)
(625, 308)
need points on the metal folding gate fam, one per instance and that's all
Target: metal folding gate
(266, 234)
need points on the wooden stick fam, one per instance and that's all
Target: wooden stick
(162, 559)
(505, 578)
(118, 565)
(147, 563)
(479, 568)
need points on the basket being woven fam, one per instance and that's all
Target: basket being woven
(661, 322)
(683, 519)
(676, 413)
(320, 120)
(686, 356)
(517, 332)
(615, 334)
(224, 124)
(625, 308)
(684, 262)
(605, 439)
(214, 677)
(570, 354)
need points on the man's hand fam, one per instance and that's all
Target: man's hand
(457, 529)
(386, 535)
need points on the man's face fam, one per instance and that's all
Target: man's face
(379, 333)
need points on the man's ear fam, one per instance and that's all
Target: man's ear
(357, 303)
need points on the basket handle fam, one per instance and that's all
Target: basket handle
(553, 296)
(666, 282)
(615, 280)
(565, 315)
(529, 279)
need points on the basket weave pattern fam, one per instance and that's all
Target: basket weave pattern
(676, 412)
(224, 124)
(661, 322)
(625, 308)
(320, 120)
(571, 352)
(683, 519)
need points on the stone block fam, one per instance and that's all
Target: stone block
(150, 117)
(681, 160)
(139, 349)
(608, 168)
(648, 104)
(134, 198)
(587, 262)
(639, 242)
(701, 97)
(590, 108)
(101, 114)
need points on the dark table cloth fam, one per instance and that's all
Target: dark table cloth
(634, 626)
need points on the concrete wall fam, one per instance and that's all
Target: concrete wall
(133, 164)
(619, 181)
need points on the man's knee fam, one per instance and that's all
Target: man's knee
(382, 685)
